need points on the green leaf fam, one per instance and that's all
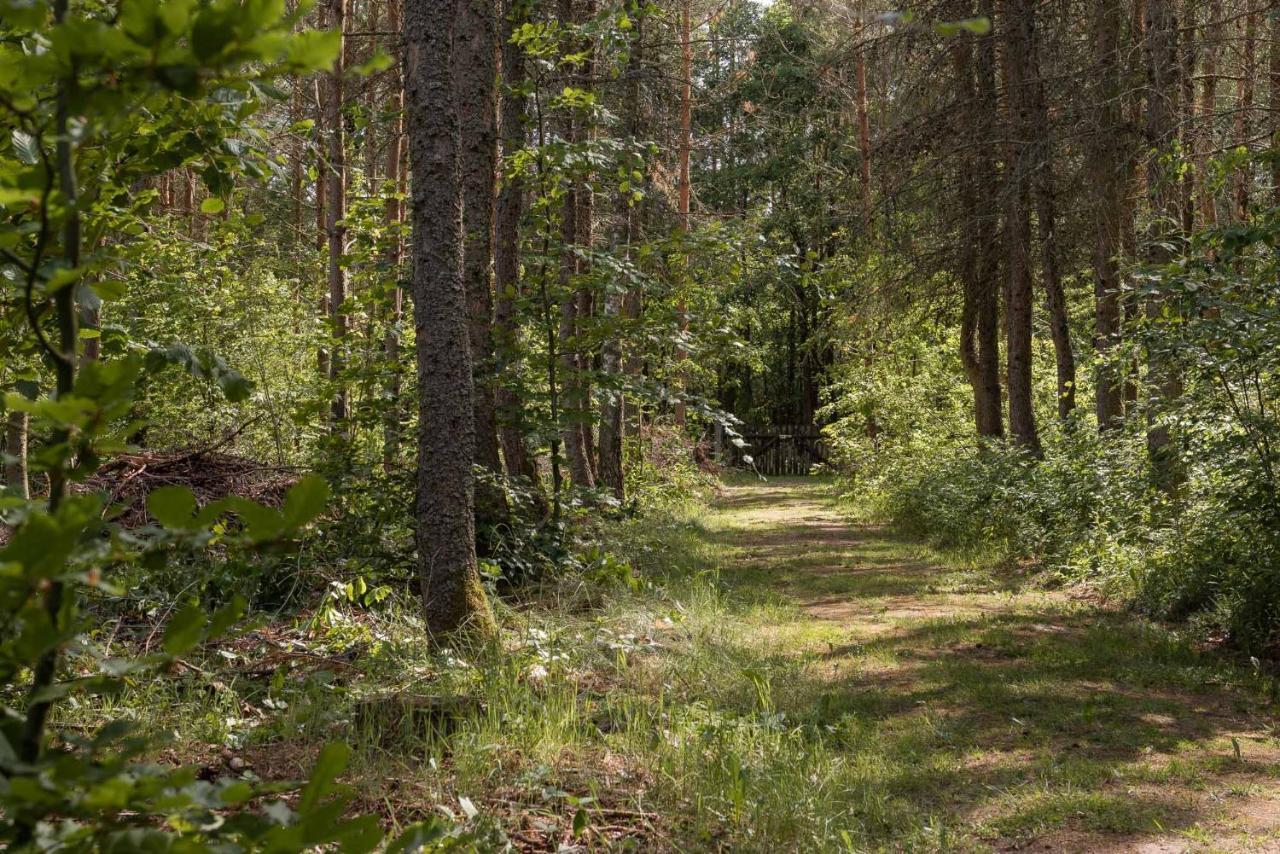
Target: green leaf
(419, 837)
(314, 50)
(305, 501)
(172, 506)
(331, 762)
(214, 28)
(226, 617)
(380, 61)
(184, 630)
(357, 836)
(213, 205)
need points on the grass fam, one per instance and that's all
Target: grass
(787, 680)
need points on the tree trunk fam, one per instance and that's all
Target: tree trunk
(572, 357)
(476, 77)
(510, 409)
(974, 62)
(613, 406)
(336, 212)
(684, 189)
(1019, 52)
(15, 450)
(395, 257)
(1244, 110)
(1109, 173)
(453, 597)
(1161, 127)
(864, 124)
(1042, 158)
(1209, 110)
(1274, 103)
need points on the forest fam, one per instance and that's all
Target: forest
(640, 425)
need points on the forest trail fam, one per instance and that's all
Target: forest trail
(1017, 718)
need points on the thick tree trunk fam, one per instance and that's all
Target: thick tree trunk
(1109, 171)
(453, 597)
(476, 78)
(510, 409)
(336, 212)
(1019, 50)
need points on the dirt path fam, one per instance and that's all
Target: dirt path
(1024, 719)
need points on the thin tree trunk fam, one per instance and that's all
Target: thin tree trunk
(1042, 160)
(335, 215)
(583, 265)
(394, 216)
(572, 358)
(1019, 44)
(864, 124)
(1209, 110)
(453, 597)
(684, 190)
(1109, 173)
(613, 409)
(974, 62)
(1188, 131)
(1274, 102)
(15, 450)
(476, 78)
(1161, 125)
(1244, 110)
(510, 409)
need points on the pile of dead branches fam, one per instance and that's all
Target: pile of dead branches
(129, 478)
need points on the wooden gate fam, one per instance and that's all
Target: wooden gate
(776, 450)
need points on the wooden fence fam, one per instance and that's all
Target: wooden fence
(774, 450)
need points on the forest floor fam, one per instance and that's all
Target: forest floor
(1020, 718)
(780, 677)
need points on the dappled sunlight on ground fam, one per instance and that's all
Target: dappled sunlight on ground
(1037, 722)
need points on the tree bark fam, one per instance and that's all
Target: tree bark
(1209, 109)
(572, 356)
(1042, 158)
(336, 212)
(394, 216)
(1274, 103)
(1161, 127)
(974, 60)
(1109, 171)
(476, 79)
(1244, 109)
(509, 408)
(613, 406)
(15, 450)
(453, 597)
(684, 189)
(1019, 52)
(864, 124)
